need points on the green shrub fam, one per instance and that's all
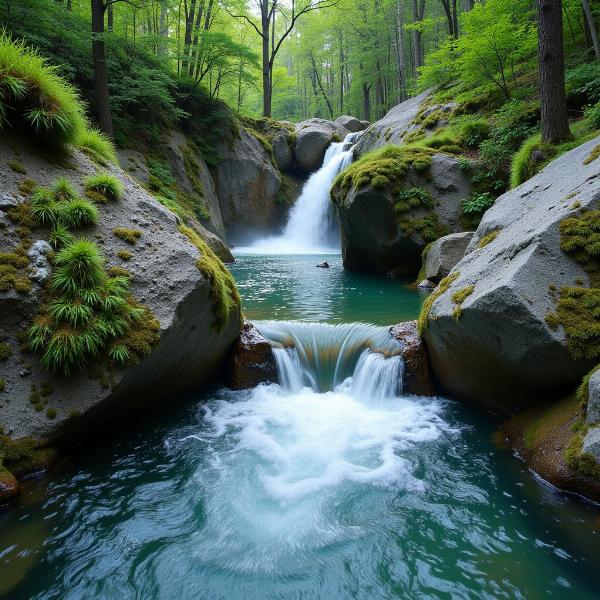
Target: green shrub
(130, 236)
(583, 83)
(43, 207)
(77, 213)
(97, 146)
(62, 189)
(413, 199)
(478, 203)
(5, 351)
(106, 184)
(60, 236)
(592, 114)
(34, 97)
(473, 131)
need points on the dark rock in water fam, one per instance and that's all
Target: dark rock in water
(9, 486)
(426, 284)
(323, 265)
(252, 361)
(417, 376)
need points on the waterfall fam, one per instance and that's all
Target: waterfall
(312, 226)
(358, 359)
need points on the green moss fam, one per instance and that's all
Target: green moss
(441, 289)
(421, 275)
(51, 413)
(22, 215)
(594, 154)
(131, 236)
(412, 199)
(124, 255)
(24, 455)
(2, 384)
(106, 185)
(428, 227)
(118, 272)
(549, 421)
(224, 294)
(384, 167)
(36, 398)
(489, 238)
(458, 298)
(523, 167)
(27, 186)
(581, 463)
(17, 167)
(580, 238)
(5, 351)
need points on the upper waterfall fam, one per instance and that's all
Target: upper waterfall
(312, 226)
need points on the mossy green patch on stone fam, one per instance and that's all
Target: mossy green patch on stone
(25, 455)
(17, 167)
(131, 236)
(428, 227)
(458, 298)
(442, 288)
(124, 255)
(413, 199)
(5, 351)
(488, 239)
(594, 154)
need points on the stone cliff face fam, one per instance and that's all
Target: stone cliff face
(162, 266)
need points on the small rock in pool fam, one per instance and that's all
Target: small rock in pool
(323, 265)
(426, 284)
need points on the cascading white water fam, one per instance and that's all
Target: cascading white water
(312, 226)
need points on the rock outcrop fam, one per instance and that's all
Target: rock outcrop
(378, 238)
(416, 378)
(493, 332)
(312, 139)
(252, 360)
(161, 265)
(352, 124)
(444, 253)
(593, 399)
(248, 187)
(393, 127)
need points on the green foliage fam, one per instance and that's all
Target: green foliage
(581, 463)
(131, 236)
(458, 298)
(88, 312)
(478, 203)
(224, 293)
(105, 184)
(583, 84)
(161, 171)
(77, 213)
(413, 199)
(442, 288)
(33, 97)
(24, 455)
(124, 254)
(97, 146)
(63, 190)
(522, 166)
(428, 227)
(592, 114)
(5, 351)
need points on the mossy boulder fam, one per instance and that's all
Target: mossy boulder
(164, 275)
(312, 139)
(394, 201)
(529, 330)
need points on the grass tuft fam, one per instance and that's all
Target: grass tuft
(109, 186)
(131, 236)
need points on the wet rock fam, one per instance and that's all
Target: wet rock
(444, 253)
(282, 151)
(417, 376)
(7, 201)
(323, 265)
(252, 360)
(352, 124)
(312, 139)
(39, 254)
(591, 443)
(9, 486)
(593, 403)
(426, 285)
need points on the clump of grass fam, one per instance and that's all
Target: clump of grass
(224, 293)
(34, 97)
(97, 146)
(441, 289)
(593, 155)
(77, 213)
(60, 236)
(5, 351)
(51, 413)
(105, 184)
(118, 272)
(124, 255)
(17, 166)
(88, 312)
(428, 227)
(2, 384)
(62, 189)
(27, 187)
(131, 236)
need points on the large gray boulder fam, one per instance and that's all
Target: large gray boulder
(591, 443)
(352, 124)
(495, 346)
(282, 151)
(248, 186)
(312, 139)
(372, 238)
(393, 127)
(444, 253)
(593, 403)
(164, 277)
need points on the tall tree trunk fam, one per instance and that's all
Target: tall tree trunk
(189, 26)
(320, 84)
(555, 125)
(266, 66)
(399, 51)
(110, 17)
(163, 28)
(418, 12)
(100, 73)
(69, 4)
(194, 50)
(589, 16)
(366, 89)
(207, 19)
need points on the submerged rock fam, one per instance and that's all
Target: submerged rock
(492, 331)
(252, 360)
(323, 265)
(416, 376)
(444, 253)
(312, 139)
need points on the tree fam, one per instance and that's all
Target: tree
(267, 32)
(553, 99)
(589, 16)
(100, 73)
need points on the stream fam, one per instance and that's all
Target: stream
(331, 484)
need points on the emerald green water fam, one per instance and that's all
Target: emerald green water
(277, 494)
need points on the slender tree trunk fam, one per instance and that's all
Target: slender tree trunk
(589, 16)
(366, 101)
(266, 66)
(69, 4)
(320, 84)
(110, 17)
(194, 50)
(399, 51)
(207, 19)
(163, 28)
(100, 72)
(555, 125)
